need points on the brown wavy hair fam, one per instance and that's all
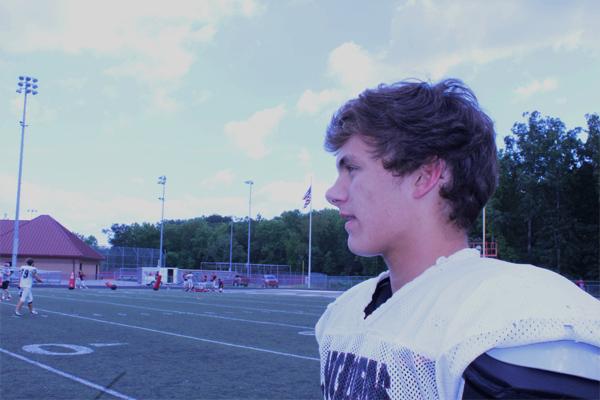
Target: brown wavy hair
(411, 123)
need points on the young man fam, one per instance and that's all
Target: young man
(188, 282)
(80, 280)
(416, 164)
(6, 273)
(27, 274)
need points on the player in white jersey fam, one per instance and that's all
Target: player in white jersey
(6, 273)
(416, 164)
(188, 282)
(27, 274)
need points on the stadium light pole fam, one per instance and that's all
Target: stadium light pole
(483, 234)
(162, 180)
(26, 85)
(250, 183)
(230, 242)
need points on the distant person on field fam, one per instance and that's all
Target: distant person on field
(27, 274)
(188, 283)
(80, 280)
(416, 164)
(6, 273)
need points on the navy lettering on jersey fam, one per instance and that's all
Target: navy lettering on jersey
(347, 376)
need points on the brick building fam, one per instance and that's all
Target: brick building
(51, 245)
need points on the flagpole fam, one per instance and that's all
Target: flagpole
(310, 235)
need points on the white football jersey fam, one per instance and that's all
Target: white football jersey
(26, 272)
(419, 342)
(5, 273)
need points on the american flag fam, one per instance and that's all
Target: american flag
(307, 196)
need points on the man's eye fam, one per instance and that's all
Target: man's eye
(351, 168)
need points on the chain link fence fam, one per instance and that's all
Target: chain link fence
(127, 257)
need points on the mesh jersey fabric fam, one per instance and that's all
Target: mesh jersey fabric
(417, 344)
(27, 273)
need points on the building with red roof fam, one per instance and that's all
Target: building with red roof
(51, 245)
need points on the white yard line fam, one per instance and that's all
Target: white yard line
(77, 379)
(206, 315)
(195, 301)
(238, 346)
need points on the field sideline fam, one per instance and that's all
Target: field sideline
(142, 344)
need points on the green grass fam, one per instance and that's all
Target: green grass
(170, 345)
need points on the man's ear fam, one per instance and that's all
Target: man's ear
(429, 175)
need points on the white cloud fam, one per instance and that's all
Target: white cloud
(222, 178)
(352, 69)
(90, 212)
(137, 180)
(163, 101)
(313, 102)
(570, 41)
(442, 36)
(279, 196)
(75, 84)
(304, 157)
(250, 135)
(36, 111)
(148, 40)
(537, 86)
(201, 96)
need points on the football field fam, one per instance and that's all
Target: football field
(169, 344)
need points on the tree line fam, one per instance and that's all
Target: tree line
(544, 212)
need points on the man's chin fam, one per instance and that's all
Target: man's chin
(360, 249)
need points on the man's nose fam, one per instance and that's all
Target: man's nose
(334, 194)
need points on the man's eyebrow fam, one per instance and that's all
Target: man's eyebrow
(344, 160)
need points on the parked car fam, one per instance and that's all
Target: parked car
(270, 281)
(240, 280)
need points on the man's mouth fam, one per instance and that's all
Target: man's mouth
(348, 218)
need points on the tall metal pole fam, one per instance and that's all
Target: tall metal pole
(162, 180)
(483, 253)
(230, 243)
(309, 242)
(308, 200)
(249, 182)
(26, 85)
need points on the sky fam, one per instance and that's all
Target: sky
(211, 93)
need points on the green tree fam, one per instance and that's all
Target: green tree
(89, 240)
(542, 189)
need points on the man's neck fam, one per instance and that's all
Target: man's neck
(412, 258)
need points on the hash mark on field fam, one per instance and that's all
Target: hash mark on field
(97, 315)
(122, 314)
(145, 314)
